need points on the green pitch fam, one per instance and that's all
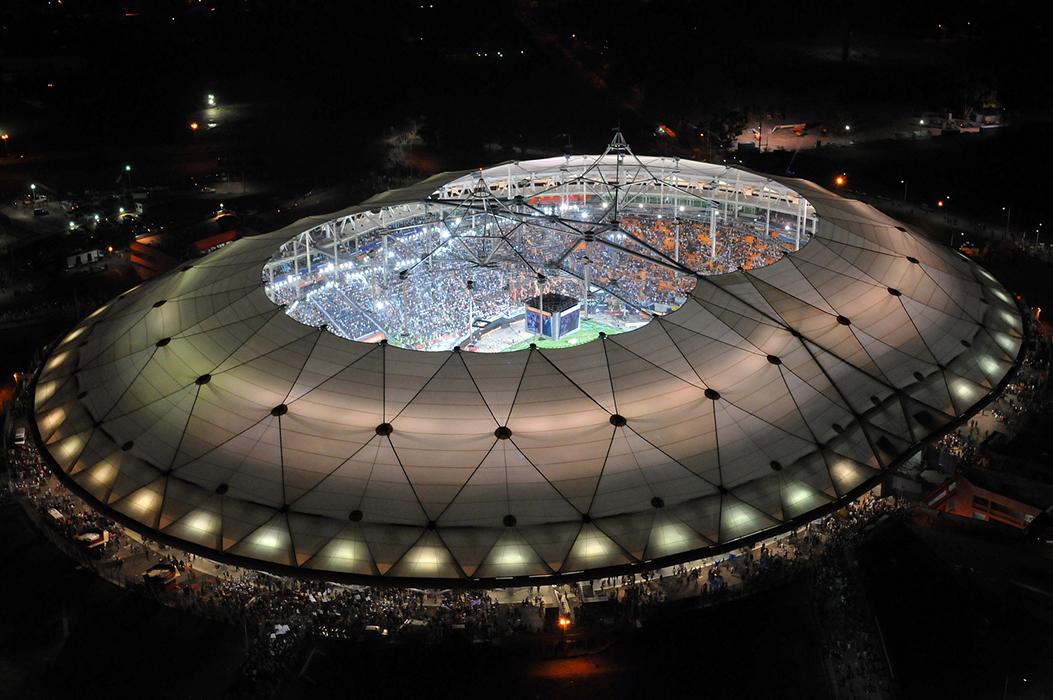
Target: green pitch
(589, 331)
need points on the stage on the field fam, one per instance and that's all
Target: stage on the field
(588, 331)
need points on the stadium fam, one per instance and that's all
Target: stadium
(535, 372)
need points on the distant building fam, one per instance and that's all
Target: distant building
(214, 242)
(86, 257)
(959, 496)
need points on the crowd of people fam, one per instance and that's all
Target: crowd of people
(855, 659)
(61, 511)
(741, 243)
(745, 571)
(1024, 397)
(425, 284)
(329, 305)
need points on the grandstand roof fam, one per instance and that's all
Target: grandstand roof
(193, 408)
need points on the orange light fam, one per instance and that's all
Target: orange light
(939, 203)
(109, 249)
(839, 180)
(194, 126)
(564, 622)
(5, 136)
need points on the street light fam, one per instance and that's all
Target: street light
(840, 180)
(848, 127)
(904, 182)
(1008, 212)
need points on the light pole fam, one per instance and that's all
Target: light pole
(33, 195)
(5, 137)
(1008, 212)
(904, 182)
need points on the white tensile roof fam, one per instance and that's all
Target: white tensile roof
(193, 407)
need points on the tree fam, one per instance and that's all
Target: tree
(720, 129)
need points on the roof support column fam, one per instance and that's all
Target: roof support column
(737, 186)
(767, 216)
(586, 300)
(713, 233)
(800, 223)
(676, 239)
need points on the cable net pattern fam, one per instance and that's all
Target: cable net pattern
(197, 408)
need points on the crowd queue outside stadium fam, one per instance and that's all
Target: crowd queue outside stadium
(281, 614)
